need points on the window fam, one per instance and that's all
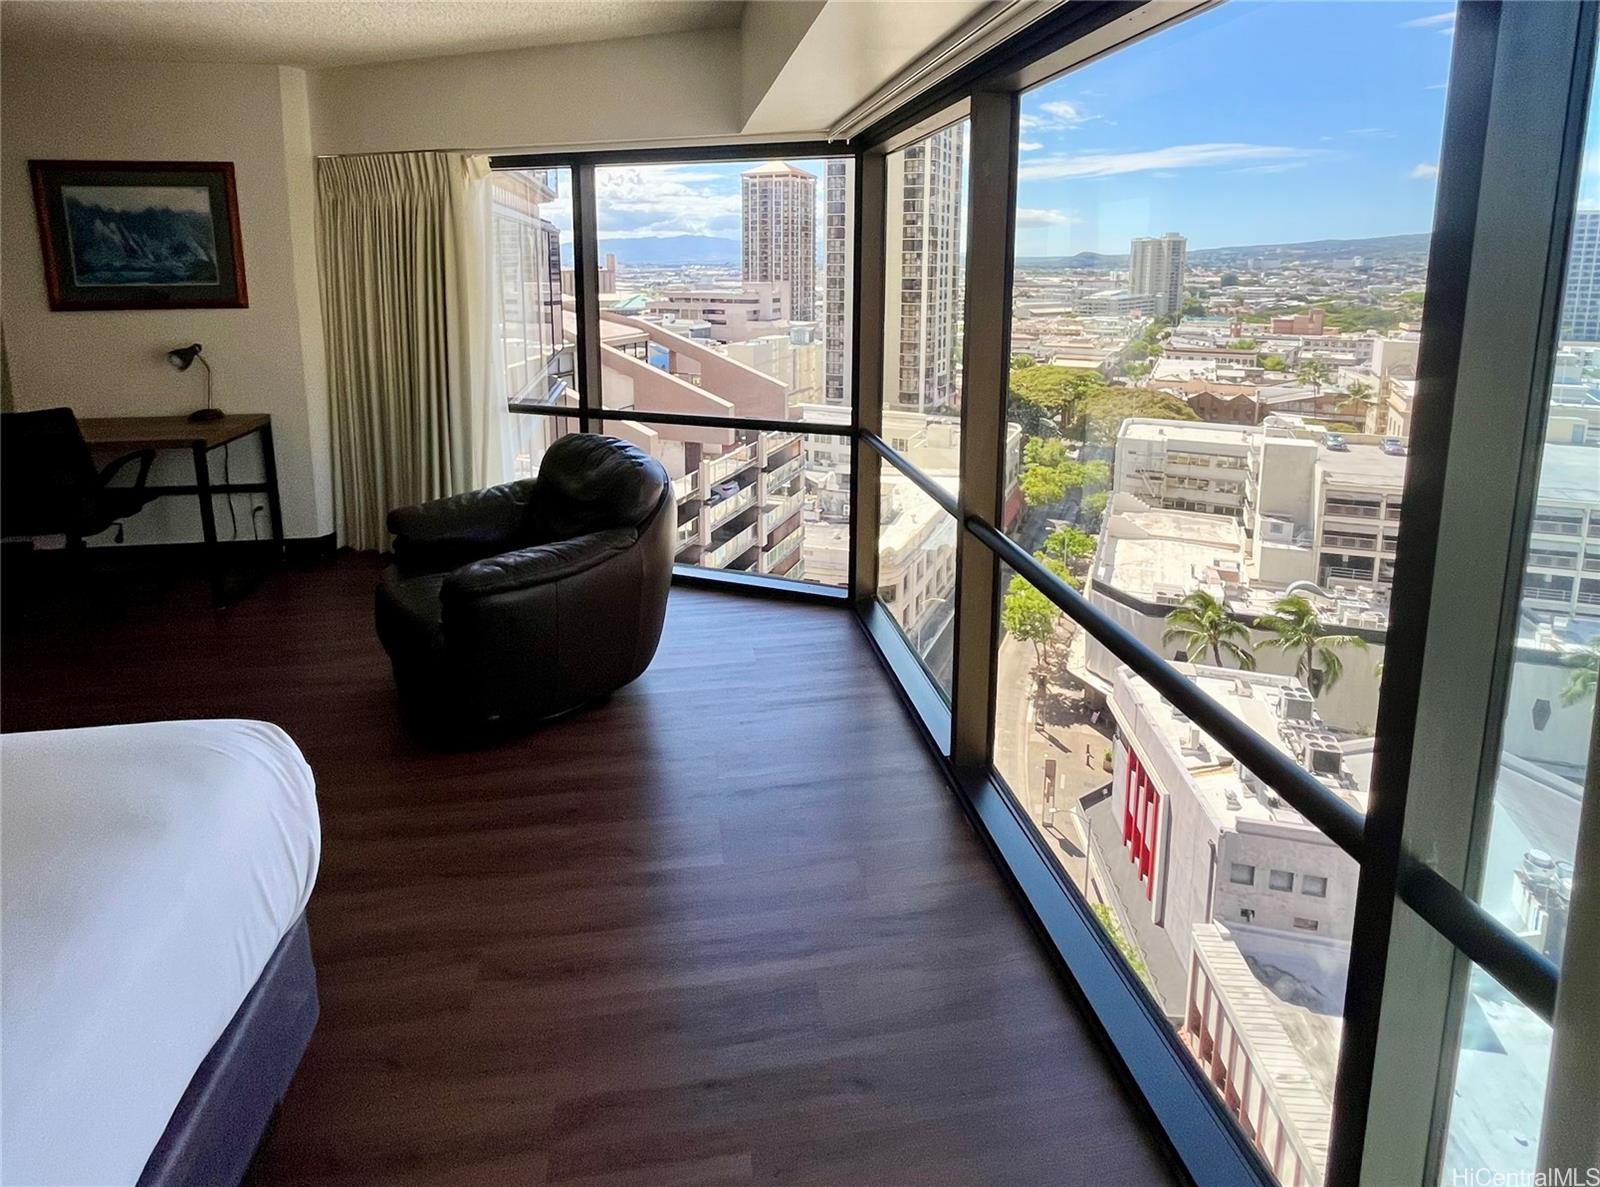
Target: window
(925, 227)
(917, 566)
(531, 226)
(735, 283)
(1164, 222)
(771, 504)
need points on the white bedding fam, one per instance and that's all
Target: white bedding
(148, 873)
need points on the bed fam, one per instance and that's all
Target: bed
(157, 981)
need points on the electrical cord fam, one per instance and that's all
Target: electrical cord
(227, 480)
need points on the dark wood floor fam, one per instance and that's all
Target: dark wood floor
(728, 928)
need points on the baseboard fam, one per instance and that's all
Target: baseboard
(298, 552)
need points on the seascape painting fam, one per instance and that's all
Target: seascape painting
(138, 234)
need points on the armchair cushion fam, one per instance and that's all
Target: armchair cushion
(528, 567)
(444, 533)
(587, 483)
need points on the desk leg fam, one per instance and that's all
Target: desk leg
(208, 524)
(269, 473)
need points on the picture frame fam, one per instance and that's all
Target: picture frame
(139, 234)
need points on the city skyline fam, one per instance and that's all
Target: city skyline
(1122, 148)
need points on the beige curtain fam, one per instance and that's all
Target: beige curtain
(401, 251)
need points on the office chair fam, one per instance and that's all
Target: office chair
(49, 484)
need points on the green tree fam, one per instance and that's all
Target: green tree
(1193, 305)
(1104, 411)
(1138, 372)
(1057, 391)
(1229, 279)
(1244, 344)
(1359, 397)
(1585, 667)
(1070, 545)
(1296, 626)
(1274, 362)
(1028, 615)
(1019, 361)
(1314, 373)
(1091, 508)
(1108, 924)
(1049, 472)
(1204, 623)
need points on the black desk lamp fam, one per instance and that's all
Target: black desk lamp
(183, 358)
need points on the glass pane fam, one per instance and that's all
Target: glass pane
(536, 332)
(1498, 1100)
(531, 435)
(917, 570)
(1550, 702)
(772, 504)
(1215, 325)
(925, 227)
(725, 287)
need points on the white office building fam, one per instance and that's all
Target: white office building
(1156, 267)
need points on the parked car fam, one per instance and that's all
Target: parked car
(1393, 446)
(1336, 442)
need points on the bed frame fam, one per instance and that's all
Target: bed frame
(224, 1113)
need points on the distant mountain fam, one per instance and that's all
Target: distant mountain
(668, 249)
(1380, 247)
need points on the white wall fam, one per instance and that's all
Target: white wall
(267, 358)
(677, 88)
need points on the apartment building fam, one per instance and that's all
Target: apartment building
(795, 359)
(1241, 908)
(1156, 267)
(528, 312)
(922, 284)
(838, 272)
(1580, 300)
(1311, 512)
(778, 232)
(734, 313)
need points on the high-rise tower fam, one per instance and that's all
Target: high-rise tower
(778, 237)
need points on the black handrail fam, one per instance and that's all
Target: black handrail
(1474, 931)
(1339, 822)
(1490, 944)
(911, 473)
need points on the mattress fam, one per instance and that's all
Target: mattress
(149, 871)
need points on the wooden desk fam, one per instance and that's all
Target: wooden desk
(126, 434)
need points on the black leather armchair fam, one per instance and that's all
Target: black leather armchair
(527, 600)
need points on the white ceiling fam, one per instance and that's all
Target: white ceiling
(335, 32)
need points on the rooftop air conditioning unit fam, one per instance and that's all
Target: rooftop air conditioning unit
(1296, 705)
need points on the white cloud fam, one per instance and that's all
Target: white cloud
(659, 201)
(1447, 17)
(1029, 217)
(1029, 145)
(1060, 113)
(1274, 167)
(1422, 171)
(1378, 132)
(1177, 156)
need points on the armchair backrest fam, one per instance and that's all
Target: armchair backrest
(588, 483)
(48, 480)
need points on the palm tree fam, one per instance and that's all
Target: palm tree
(1585, 675)
(1360, 396)
(1297, 627)
(1314, 373)
(1204, 623)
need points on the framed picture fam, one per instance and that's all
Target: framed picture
(139, 234)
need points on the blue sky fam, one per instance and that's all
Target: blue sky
(1253, 123)
(1257, 122)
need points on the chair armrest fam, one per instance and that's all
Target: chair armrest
(145, 458)
(529, 567)
(443, 533)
